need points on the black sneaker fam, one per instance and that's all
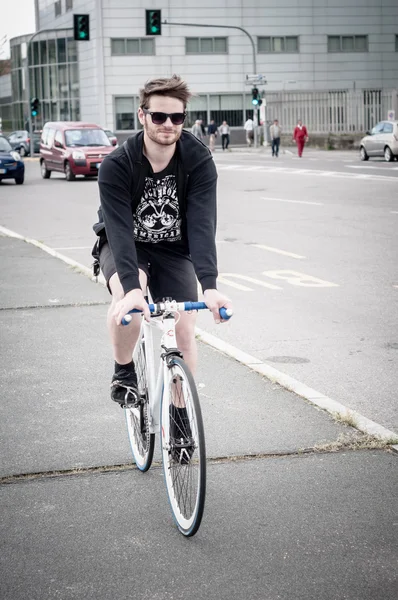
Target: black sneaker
(181, 441)
(124, 388)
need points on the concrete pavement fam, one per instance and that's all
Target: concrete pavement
(286, 516)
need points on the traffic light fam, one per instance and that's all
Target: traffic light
(255, 96)
(34, 107)
(153, 22)
(81, 28)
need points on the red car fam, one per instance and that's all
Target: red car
(74, 148)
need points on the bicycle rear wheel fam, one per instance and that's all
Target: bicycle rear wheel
(183, 448)
(142, 442)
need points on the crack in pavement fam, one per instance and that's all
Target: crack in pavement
(104, 469)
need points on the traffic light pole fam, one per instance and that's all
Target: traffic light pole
(255, 109)
(31, 144)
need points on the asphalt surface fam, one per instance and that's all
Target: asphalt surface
(307, 251)
(80, 522)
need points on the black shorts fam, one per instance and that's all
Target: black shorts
(170, 272)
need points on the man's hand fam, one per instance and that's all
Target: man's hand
(214, 301)
(133, 299)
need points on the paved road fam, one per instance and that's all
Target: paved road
(307, 250)
(79, 522)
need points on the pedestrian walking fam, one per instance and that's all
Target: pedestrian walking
(249, 128)
(224, 131)
(275, 132)
(300, 136)
(197, 129)
(212, 133)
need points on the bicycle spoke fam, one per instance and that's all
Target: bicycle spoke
(183, 447)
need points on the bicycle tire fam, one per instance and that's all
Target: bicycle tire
(184, 463)
(142, 442)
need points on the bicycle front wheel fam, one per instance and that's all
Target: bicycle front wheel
(183, 448)
(142, 442)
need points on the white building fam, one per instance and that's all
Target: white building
(315, 46)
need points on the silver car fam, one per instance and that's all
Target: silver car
(381, 141)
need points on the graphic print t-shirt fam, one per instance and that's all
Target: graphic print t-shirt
(157, 217)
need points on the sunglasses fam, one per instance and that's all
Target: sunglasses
(158, 118)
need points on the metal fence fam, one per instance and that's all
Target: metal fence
(332, 111)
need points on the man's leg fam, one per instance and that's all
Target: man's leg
(123, 339)
(273, 146)
(185, 333)
(277, 142)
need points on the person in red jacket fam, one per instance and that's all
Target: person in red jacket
(300, 136)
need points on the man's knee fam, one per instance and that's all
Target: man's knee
(185, 330)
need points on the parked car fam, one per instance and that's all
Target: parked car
(11, 165)
(381, 141)
(74, 148)
(111, 136)
(20, 142)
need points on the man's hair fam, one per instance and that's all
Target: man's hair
(174, 87)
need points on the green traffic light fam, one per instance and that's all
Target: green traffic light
(82, 35)
(154, 29)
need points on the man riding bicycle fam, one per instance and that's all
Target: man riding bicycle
(157, 226)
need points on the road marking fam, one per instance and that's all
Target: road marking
(381, 168)
(225, 278)
(394, 212)
(74, 248)
(277, 251)
(317, 173)
(300, 389)
(300, 279)
(292, 201)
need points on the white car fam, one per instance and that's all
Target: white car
(381, 141)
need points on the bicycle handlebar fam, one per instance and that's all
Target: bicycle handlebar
(225, 313)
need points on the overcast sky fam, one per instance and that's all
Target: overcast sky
(16, 18)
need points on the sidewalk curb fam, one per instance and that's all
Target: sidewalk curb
(293, 385)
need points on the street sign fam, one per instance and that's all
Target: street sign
(257, 79)
(391, 115)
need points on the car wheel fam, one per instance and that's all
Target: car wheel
(19, 180)
(363, 154)
(45, 173)
(388, 155)
(22, 151)
(68, 172)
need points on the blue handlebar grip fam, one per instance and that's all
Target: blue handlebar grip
(225, 313)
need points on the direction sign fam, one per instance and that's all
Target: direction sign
(256, 78)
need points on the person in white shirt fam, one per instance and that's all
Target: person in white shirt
(275, 131)
(197, 129)
(224, 131)
(249, 128)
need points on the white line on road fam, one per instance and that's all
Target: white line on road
(284, 252)
(394, 212)
(318, 399)
(74, 248)
(292, 201)
(380, 168)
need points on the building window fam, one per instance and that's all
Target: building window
(68, 5)
(132, 46)
(124, 112)
(211, 45)
(347, 43)
(396, 43)
(58, 8)
(287, 44)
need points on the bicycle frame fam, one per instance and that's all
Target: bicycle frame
(156, 384)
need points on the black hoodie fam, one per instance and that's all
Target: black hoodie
(121, 185)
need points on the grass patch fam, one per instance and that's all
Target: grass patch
(347, 418)
(359, 442)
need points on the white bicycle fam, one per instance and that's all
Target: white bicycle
(169, 404)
